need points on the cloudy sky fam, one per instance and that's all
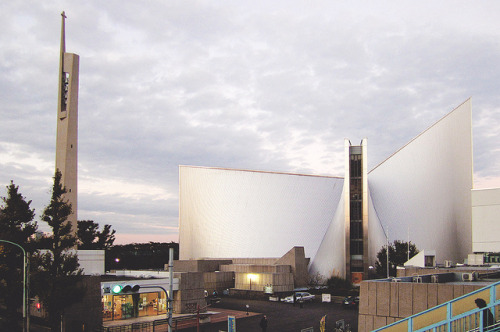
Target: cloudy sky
(265, 85)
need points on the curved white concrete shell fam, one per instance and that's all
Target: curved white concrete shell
(426, 187)
(228, 213)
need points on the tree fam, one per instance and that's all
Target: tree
(57, 276)
(398, 255)
(315, 279)
(90, 238)
(136, 256)
(339, 285)
(16, 225)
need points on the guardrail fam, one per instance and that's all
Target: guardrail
(460, 314)
(151, 326)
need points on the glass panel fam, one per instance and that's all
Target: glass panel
(148, 304)
(123, 306)
(107, 307)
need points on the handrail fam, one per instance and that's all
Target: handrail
(443, 316)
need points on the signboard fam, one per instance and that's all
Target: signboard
(231, 324)
(326, 297)
(268, 289)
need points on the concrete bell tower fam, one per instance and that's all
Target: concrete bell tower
(67, 124)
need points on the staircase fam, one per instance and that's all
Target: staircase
(460, 314)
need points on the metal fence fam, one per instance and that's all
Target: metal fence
(158, 325)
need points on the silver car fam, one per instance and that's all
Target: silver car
(299, 296)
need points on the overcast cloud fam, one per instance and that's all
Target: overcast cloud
(272, 86)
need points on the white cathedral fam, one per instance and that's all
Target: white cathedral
(422, 192)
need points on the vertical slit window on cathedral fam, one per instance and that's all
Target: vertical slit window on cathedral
(355, 165)
(356, 247)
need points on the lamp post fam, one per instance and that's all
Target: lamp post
(387, 237)
(25, 276)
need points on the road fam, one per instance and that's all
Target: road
(282, 317)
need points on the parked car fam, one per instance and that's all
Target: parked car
(299, 296)
(350, 301)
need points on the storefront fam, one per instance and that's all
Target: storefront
(116, 307)
(150, 300)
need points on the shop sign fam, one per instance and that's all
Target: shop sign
(231, 324)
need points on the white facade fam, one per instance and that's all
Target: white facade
(422, 259)
(486, 220)
(423, 189)
(91, 261)
(237, 214)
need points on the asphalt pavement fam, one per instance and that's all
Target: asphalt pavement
(282, 317)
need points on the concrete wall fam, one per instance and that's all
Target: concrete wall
(296, 258)
(190, 293)
(257, 261)
(382, 303)
(281, 282)
(252, 268)
(282, 273)
(218, 281)
(485, 225)
(209, 265)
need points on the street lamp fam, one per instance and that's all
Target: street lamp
(25, 277)
(250, 277)
(387, 253)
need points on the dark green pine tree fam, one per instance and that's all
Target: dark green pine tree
(57, 278)
(90, 238)
(87, 233)
(16, 225)
(105, 238)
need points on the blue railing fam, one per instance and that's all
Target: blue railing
(460, 314)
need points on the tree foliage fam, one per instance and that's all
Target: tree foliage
(136, 256)
(340, 286)
(16, 225)
(90, 238)
(56, 277)
(16, 217)
(398, 255)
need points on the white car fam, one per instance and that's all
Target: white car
(299, 296)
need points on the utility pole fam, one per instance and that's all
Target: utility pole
(387, 237)
(28, 294)
(25, 263)
(171, 287)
